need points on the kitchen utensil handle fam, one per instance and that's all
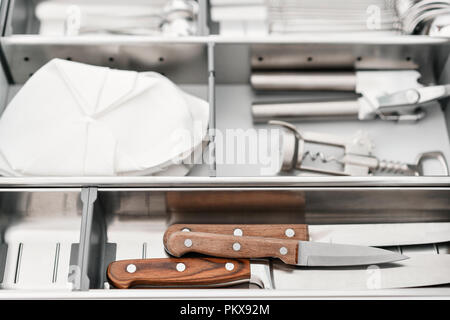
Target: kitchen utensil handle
(172, 272)
(304, 81)
(180, 243)
(280, 231)
(305, 111)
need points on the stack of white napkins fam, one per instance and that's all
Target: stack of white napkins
(240, 17)
(73, 119)
(75, 17)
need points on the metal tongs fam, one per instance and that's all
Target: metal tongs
(392, 96)
(356, 159)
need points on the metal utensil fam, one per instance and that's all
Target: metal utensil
(301, 253)
(419, 270)
(392, 96)
(356, 158)
(416, 16)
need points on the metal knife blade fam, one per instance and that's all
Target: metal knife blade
(302, 253)
(375, 235)
(381, 234)
(418, 271)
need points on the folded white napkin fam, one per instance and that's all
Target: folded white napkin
(73, 119)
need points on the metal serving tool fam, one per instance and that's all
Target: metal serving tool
(386, 95)
(356, 159)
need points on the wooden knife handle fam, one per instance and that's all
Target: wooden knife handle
(172, 272)
(227, 246)
(280, 231)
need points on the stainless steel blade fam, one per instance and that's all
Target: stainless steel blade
(324, 254)
(383, 234)
(418, 271)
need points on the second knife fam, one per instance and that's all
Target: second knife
(420, 270)
(373, 234)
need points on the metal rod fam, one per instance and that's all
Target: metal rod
(144, 250)
(317, 81)
(19, 260)
(347, 109)
(56, 263)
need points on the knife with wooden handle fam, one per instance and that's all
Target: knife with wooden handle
(373, 234)
(172, 272)
(418, 271)
(302, 253)
(280, 231)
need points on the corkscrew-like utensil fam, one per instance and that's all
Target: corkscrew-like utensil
(356, 158)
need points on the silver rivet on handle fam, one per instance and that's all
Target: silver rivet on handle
(131, 268)
(289, 233)
(236, 246)
(181, 267)
(188, 243)
(229, 266)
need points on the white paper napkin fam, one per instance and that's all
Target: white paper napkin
(73, 119)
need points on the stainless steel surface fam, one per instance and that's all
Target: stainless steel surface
(226, 182)
(400, 142)
(137, 217)
(337, 52)
(381, 234)
(233, 294)
(419, 270)
(306, 111)
(314, 254)
(261, 274)
(182, 60)
(139, 207)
